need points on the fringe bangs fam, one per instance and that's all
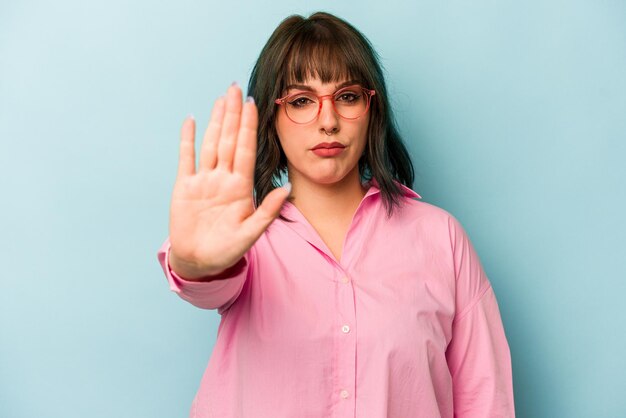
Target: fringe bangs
(318, 53)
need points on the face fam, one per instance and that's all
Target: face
(299, 140)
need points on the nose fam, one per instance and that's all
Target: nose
(328, 119)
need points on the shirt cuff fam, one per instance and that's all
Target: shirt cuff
(218, 293)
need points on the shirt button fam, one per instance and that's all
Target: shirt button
(345, 279)
(344, 394)
(345, 329)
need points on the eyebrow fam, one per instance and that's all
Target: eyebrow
(309, 88)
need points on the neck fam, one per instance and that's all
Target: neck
(328, 203)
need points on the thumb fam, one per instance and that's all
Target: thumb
(267, 211)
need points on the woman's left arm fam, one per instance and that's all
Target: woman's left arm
(478, 354)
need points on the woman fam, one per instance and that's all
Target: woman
(349, 297)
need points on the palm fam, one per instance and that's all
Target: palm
(208, 205)
(213, 221)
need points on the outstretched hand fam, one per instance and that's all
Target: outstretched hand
(213, 221)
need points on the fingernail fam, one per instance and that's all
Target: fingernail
(288, 187)
(190, 116)
(234, 83)
(250, 99)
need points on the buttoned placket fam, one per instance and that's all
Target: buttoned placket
(345, 347)
(345, 338)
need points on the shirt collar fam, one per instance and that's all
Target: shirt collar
(302, 227)
(374, 188)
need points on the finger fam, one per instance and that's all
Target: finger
(208, 152)
(265, 214)
(187, 154)
(245, 151)
(230, 127)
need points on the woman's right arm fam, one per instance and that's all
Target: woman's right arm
(213, 221)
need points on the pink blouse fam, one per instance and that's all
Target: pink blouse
(405, 325)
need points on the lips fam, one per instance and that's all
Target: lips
(329, 145)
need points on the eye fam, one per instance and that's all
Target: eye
(300, 101)
(348, 97)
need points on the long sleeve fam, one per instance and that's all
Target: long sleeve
(219, 293)
(478, 354)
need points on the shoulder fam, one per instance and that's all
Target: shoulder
(424, 211)
(429, 219)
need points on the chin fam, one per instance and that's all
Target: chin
(330, 179)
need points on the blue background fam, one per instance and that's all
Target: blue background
(514, 114)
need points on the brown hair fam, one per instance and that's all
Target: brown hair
(331, 49)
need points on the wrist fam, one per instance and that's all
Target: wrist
(189, 271)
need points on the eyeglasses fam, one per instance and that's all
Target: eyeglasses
(350, 103)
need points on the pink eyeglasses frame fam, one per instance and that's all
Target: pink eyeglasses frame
(368, 92)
